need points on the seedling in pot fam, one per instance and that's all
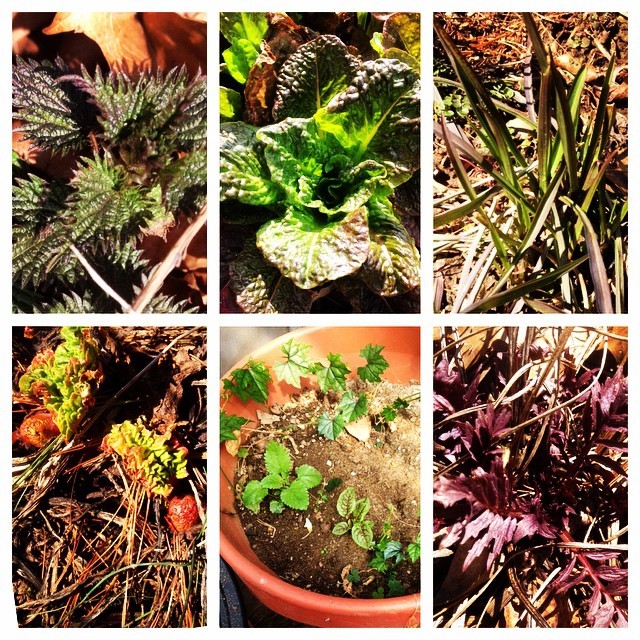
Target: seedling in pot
(285, 491)
(354, 511)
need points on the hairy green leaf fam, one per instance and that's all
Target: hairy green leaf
(253, 495)
(308, 475)
(277, 459)
(296, 495)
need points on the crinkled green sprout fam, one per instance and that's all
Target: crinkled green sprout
(150, 458)
(65, 380)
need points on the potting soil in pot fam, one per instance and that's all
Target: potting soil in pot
(382, 465)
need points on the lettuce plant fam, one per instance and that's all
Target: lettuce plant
(323, 175)
(65, 380)
(150, 458)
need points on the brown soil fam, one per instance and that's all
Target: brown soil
(385, 468)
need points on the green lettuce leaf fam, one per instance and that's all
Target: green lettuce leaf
(243, 175)
(314, 171)
(311, 251)
(393, 263)
(312, 76)
(377, 117)
(244, 32)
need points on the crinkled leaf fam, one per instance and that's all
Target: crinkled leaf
(250, 382)
(314, 170)
(377, 117)
(297, 364)
(376, 363)
(309, 476)
(253, 495)
(334, 375)
(352, 407)
(402, 30)
(243, 174)
(277, 459)
(311, 251)
(261, 288)
(330, 428)
(312, 76)
(393, 264)
(296, 495)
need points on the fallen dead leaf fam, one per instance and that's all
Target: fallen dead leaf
(360, 428)
(120, 36)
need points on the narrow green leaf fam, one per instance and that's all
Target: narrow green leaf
(565, 128)
(536, 40)
(499, 299)
(596, 263)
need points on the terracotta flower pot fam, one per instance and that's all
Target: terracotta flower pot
(402, 351)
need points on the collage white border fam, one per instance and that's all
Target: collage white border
(213, 319)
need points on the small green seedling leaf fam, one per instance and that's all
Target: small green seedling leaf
(230, 423)
(341, 528)
(275, 506)
(413, 549)
(352, 408)
(393, 551)
(277, 459)
(362, 533)
(250, 382)
(334, 375)
(330, 428)
(295, 496)
(376, 363)
(273, 481)
(253, 495)
(378, 594)
(346, 502)
(395, 588)
(354, 576)
(333, 484)
(361, 509)
(297, 365)
(309, 476)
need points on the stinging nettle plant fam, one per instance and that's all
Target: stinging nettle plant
(320, 180)
(138, 148)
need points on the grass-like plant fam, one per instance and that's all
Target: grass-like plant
(553, 234)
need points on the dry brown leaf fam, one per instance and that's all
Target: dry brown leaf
(360, 429)
(174, 41)
(232, 446)
(120, 36)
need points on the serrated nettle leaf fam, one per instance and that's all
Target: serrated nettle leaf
(312, 76)
(346, 502)
(376, 363)
(276, 506)
(334, 375)
(272, 481)
(297, 365)
(244, 175)
(361, 508)
(330, 428)
(341, 528)
(352, 408)
(309, 476)
(277, 459)
(261, 288)
(377, 117)
(362, 533)
(311, 251)
(295, 495)
(253, 495)
(392, 266)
